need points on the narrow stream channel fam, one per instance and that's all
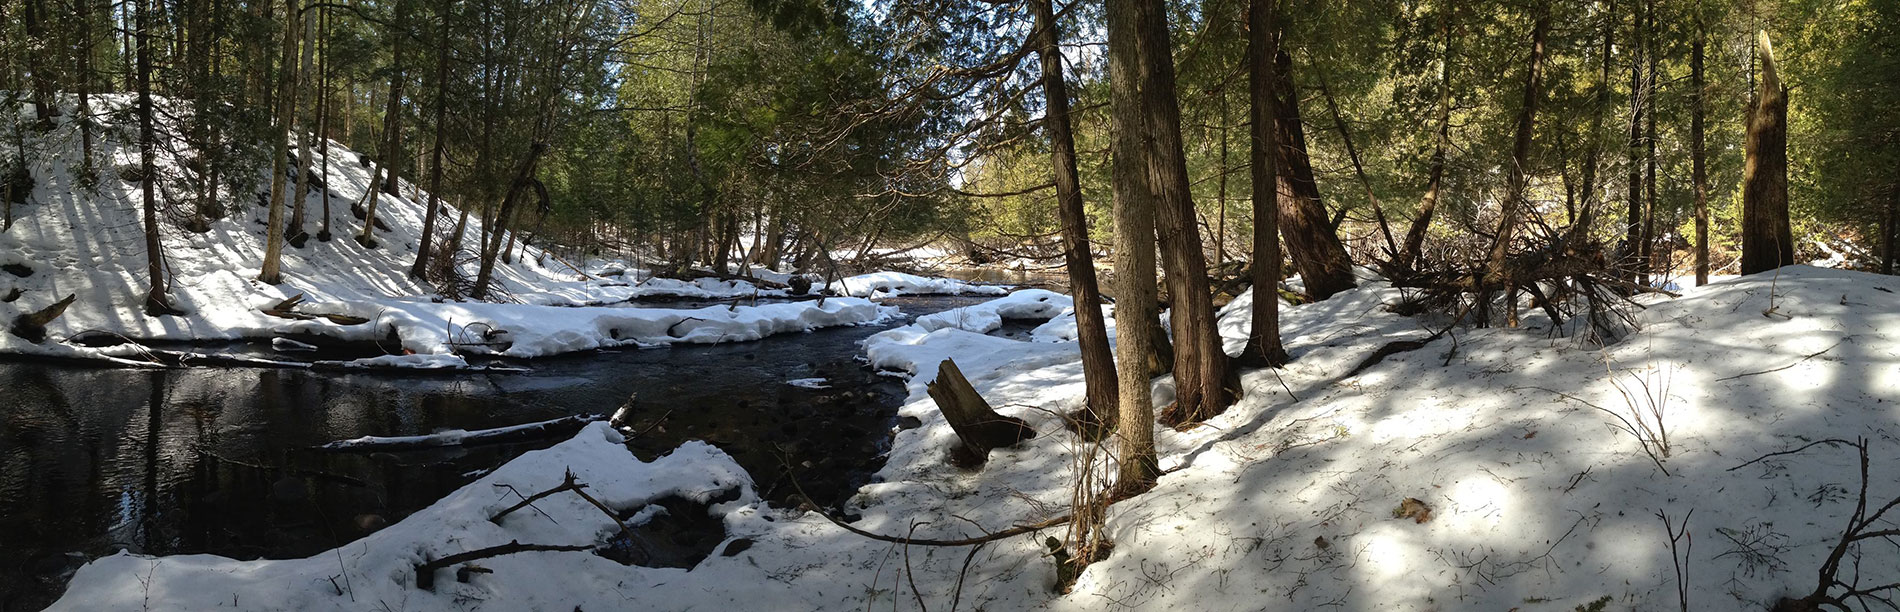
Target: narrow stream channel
(212, 460)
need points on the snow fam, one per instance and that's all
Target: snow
(891, 284)
(90, 242)
(1286, 501)
(1039, 304)
(809, 383)
(530, 331)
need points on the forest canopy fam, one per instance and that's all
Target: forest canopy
(781, 131)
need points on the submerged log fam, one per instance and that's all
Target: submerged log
(979, 427)
(564, 426)
(31, 326)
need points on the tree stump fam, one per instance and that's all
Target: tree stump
(979, 428)
(32, 325)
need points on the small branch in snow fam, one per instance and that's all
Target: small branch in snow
(1679, 534)
(567, 484)
(1807, 446)
(425, 572)
(1796, 363)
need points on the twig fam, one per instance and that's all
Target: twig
(1679, 533)
(1796, 363)
(1790, 452)
(425, 572)
(567, 484)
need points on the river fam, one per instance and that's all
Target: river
(216, 460)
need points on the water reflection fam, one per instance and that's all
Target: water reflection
(214, 460)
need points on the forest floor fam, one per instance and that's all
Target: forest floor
(1551, 475)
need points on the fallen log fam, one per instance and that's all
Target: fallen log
(979, 428)
(287, 309)
(566, 425)
(31, 326)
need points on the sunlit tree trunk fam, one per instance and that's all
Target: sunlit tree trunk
(1202, 388)
(157, 302)
(1098, 364)
(1314, 246)
(286, 115)
(295, 234)
(1767, 239)
(1136, 310)
(1696, 161)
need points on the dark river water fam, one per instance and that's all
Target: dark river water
(215, 460)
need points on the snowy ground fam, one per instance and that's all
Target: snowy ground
(72, 240)
(1538, 501)
(892, 284)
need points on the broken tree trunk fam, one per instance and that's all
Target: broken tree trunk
(1767, 241)
(32, 325)
(978, 426)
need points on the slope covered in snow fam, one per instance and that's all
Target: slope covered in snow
(1538, 499)
(88, 241)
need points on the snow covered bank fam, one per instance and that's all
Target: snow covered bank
(1538, 501)
(381, 566)
(521, 330)
(73, 239)
(891, 284)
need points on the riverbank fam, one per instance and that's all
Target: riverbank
(1289, 498)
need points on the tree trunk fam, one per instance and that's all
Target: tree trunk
(1098, 364)
(1200, 366)
(1890, 233)
(1633, 235)
(1649, 143)
(44, 108)
(156, 301)
(295, 234)
(392, 143)
(286, 115)
(1358, 169)
(1581, 226)
(1767, 239)
(84, 85)
(1317, 252)
(1263, 342)
(423, 248)
(1428, 205)
(485, 274)
(978, 427)
(323, 121)
(1517, 200)
(1698, 167)
(1134, 205)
